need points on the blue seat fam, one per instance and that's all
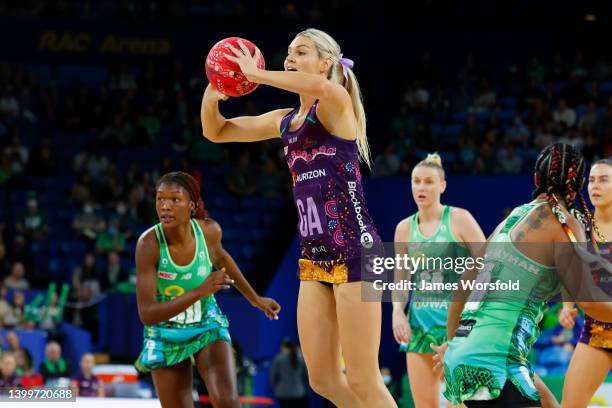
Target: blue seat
(459, 117)
(580, 111)
(73, 247)
(606, 87)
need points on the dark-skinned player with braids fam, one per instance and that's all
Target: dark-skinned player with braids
(490, 336)
(175, 292)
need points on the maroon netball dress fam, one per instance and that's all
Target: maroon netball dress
(334, 225)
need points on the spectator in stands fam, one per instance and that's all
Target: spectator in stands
(32, 222)
(509, 161)
(572, 137)
(5, 264)
(240, 179)
(85, 279)
(16, 315)
(109, 188)
(460, 101)
(118, 134)
(466, 154)
(51, 316)
(590, 117)
(92, 161)
(440, 101)
(54, 366)
(87, 223)
(289, 378)
(29, 378)
(592, 150)
(17, 280)
(20, 360)
(410, 159)
(85, 383)
(417, 97)
(43, 162)
(21, 251)
(539, 114)
(486, 97)
(17, 153)
(535, 70)
(13, 344)
(532, 93)
(564, 114)
(493, 125)
(9, 105)
(127, 218)
(6, 170)
(544, 135)
(471, 131)
(5, 307)
(86, 287)
(8, 365)
(82, 190)
(111, 239)
(518, 133)
(114, 273)
(386, 163)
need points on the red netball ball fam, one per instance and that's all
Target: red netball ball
(225, 75)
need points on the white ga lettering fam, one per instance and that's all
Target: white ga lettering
(309, 217)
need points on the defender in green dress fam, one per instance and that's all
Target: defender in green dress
(490, 336)
(175, 292)
(436, 231)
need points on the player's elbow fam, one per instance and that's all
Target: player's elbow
(210, 135)
(146, 317)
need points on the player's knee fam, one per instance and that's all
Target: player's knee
(359, 384)
(321, 385)
(225, 399)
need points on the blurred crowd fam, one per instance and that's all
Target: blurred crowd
(496, 120)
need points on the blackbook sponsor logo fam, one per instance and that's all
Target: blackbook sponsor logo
(366, 238)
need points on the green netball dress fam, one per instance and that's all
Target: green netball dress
(428, 310)
(498, 329)
(170, 342)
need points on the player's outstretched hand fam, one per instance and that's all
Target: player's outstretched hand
(567, 317)
(269, 306)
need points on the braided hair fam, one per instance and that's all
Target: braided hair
(559, 172)
(189, 183)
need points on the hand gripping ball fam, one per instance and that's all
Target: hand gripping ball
(225, 75)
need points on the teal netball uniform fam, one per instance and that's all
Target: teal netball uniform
(170, 342)
(498, 329)
(428, 309)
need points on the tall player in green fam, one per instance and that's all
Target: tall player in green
(436, 231)
(490, 336)
(175, 290)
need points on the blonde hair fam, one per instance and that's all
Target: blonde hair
(327, 47)
(433, 160)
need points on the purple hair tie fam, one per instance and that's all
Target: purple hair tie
(346, 64)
